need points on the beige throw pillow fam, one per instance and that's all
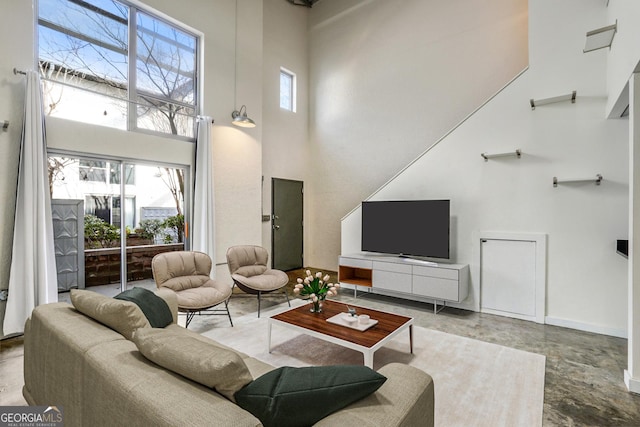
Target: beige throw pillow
(122, 316)
(215, 367)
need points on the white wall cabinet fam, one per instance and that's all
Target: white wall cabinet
(405, 277)
(512, 275)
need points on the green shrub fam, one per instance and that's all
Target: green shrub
(150, 228)
(177, 223)
(99, 234)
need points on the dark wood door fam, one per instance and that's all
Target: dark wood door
(286, 224)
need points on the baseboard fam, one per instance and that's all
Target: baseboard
(580, 326)
(633, 385)
(508, 314)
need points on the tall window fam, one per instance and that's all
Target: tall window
(287, 90)
(105, 172)
(108, 62)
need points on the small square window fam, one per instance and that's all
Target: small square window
(287, 90)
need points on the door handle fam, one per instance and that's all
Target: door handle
(276, 227)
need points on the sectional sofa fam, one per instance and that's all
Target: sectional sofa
(98, 376)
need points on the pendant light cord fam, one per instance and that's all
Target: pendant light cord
(235, 60)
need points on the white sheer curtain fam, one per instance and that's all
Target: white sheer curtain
(203, 225)
(32, 276)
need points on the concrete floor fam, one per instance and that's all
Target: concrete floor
(584, 371)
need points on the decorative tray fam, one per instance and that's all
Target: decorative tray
(340, 319)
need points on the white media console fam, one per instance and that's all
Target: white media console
(406, 277)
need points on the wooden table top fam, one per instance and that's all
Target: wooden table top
(317, 322)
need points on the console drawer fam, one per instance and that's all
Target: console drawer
(354, 262)
(389, 266)
(398, 282)
(439, 272)
(437, 288)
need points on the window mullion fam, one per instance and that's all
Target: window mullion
(132, 56)
(69, 32)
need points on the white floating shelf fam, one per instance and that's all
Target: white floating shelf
(596, 181)
(538, 102)
(487, 156)
(600, 38)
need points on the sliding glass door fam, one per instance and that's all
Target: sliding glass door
(111, 217)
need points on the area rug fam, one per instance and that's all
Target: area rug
(476, 383)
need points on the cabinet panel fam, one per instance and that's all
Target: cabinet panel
(437, 288)
(508, 277)
(354, 262)
(443, 273)
(398, 282)
(389, 266)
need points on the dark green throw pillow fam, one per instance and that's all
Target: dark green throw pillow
(154, 308)
(297, 397)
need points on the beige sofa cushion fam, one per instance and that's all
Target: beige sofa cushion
(124, 317)
(196, 359)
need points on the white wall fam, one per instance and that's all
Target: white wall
(237, 152)
(586, 279)
(284, 133)
(387, 81)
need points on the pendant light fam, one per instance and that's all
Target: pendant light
(240, 118)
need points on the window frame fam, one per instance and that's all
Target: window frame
(292, 93)
(131, 100)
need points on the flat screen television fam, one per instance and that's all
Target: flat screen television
(406, 227)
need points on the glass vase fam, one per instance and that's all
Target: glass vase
(316, 307)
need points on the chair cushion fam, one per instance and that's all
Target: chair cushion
(203, 362)
(251, 270)
(208, 295)
(270, 280)
(154, 308)
(174, 265)
(124, 317)
(288, 397)
(247, 256)
(185, 282)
